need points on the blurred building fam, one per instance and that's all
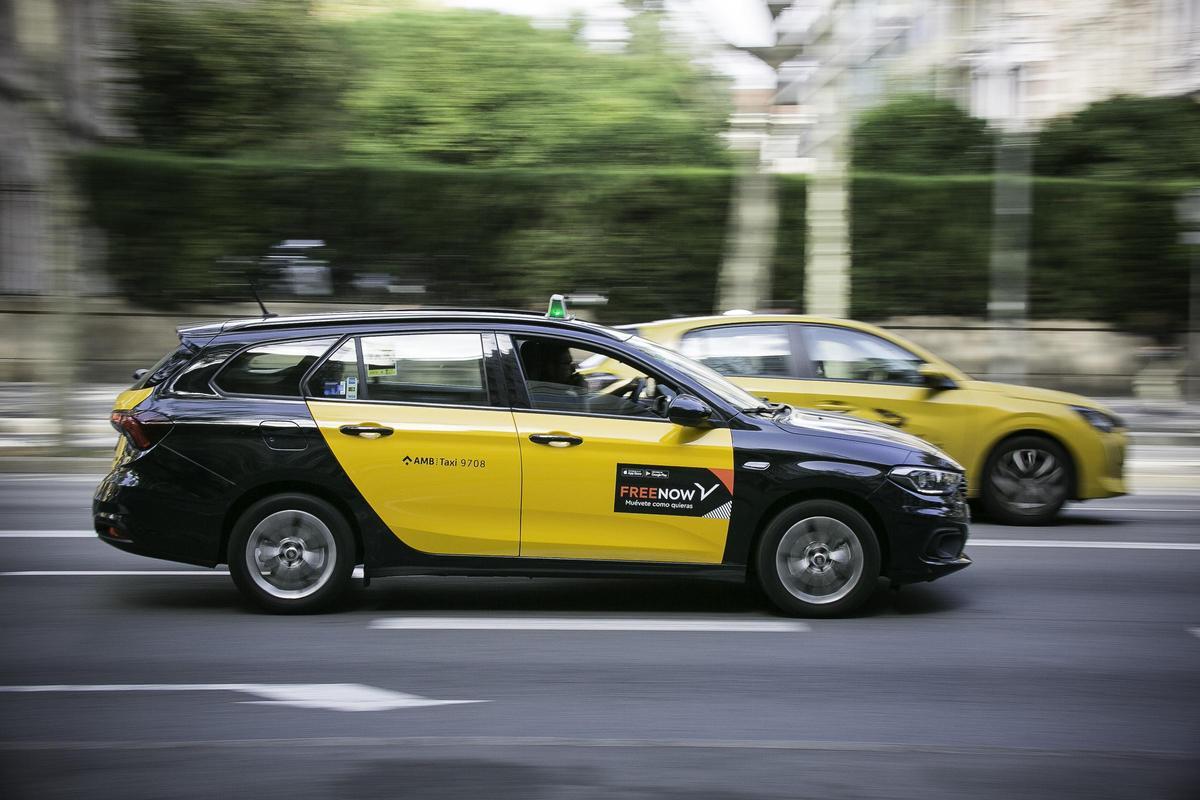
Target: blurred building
(56, 93)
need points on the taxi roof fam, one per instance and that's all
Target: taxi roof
(332, 319)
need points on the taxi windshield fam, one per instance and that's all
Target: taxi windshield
(706, 377)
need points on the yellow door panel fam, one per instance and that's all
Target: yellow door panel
(940, 417)
(447, 480)
(631, 490)
(775, 390)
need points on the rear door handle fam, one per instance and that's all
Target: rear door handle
(555, 439)
(366, 431)
(834, 405)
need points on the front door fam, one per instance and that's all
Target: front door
(413, 427)
(605, 476)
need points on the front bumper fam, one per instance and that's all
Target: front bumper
(926, 536)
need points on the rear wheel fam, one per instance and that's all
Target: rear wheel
(818, 558)
(291, 553)
(1026, 481)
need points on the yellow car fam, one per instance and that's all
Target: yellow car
(1026, 450)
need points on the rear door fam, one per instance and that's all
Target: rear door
(416, 424)
(761, 357)
(605, 475)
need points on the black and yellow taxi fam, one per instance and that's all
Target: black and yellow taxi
(469, 442)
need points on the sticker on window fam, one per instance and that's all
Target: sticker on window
(677, 491)
(351, 388)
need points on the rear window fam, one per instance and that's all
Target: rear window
(274, 369)
(167, 366)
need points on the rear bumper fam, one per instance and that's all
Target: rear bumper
(174, 517)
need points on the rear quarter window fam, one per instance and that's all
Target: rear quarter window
(272, 369)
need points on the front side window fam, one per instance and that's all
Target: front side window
(437, 368)
(762, 351)
(841, 354)
(560, 377)
(271, 370)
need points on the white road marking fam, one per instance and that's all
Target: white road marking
(586, 624)
(47, 534)
(88, 573)
(330, 696)
(1083, 545)
(1194, 632)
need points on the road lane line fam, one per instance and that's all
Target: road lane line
(586, 624)
(1194, 632)
(328, 696)
(47, 534)
(88, 573)
(398, 743)
(1083, 545)
(1125, 510)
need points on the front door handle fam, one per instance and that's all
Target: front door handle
(888, 417)
(836, 406)
(366, 431)
(555, 439)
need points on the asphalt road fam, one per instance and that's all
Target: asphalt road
(1042, 671)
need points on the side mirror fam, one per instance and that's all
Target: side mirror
(138, 374)
(689, 411)
(935, 378)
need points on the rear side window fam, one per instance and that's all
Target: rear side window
(435, 368)
(763, 351)
(272, 370)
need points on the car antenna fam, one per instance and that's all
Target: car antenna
(254, 291)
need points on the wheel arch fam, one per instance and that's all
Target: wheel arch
(846, 498)
(253, 495)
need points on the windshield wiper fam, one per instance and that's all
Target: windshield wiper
(772, 409)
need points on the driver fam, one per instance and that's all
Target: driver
(550, 375)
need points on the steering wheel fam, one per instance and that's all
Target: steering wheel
(633, 389)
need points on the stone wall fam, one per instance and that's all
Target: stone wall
(104, 340)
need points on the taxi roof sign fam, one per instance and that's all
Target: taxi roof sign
(557, 308)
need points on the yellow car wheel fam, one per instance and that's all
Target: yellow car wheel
(1026, 481)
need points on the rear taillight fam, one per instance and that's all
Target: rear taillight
(142, 429)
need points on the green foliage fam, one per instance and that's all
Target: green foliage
(210, 78)
(1130, 138)
(651, 240)
(787, 268)
(1099, 251)
(921, 135)
(443, 86)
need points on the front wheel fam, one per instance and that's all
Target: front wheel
(818, 558)
(291, 553)
(1026, 481)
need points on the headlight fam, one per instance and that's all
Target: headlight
(1098, 419)
(926, 480)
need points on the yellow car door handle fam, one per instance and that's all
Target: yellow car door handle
(366, 431)
(834, 405)
(555, 439)
(890, 418)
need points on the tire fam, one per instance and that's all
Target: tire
(1026, 481)
(797, 563)
(303, 549)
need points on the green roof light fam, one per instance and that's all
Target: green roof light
(558, 307)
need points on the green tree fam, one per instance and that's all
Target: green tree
(921, 135)
(462, 87)
(1124, 138)
(213, 78)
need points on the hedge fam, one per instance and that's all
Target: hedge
(652, 240)
(1099, 250)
